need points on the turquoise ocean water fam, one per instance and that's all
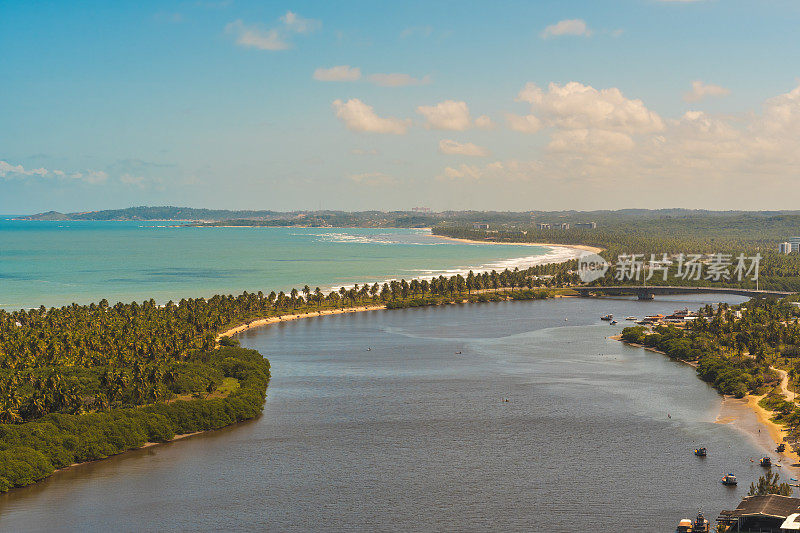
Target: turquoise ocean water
(58, 263)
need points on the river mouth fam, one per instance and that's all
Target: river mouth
(374, 421)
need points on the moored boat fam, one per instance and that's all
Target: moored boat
(701, 525)
(765, 462)
(729, 479)
(781, 447)
(633, 318)
(607, 318)
(700, 452)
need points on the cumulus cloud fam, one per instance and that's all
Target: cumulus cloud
(701, 90)
(590, 141)
(7, 170)
(338, 73)
(10, 171)
(447, 146)
(254, 37)
(273, 39)
(358, 116)
(512, 170)
(578, 106)
(373, 178)
(397, 79)
(484, 122)
(295, 23)
(447, 115)
(566, 27)
(526, 124)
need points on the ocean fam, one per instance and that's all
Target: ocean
(58, 263)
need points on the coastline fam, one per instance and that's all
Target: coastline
(285, 318)
(750, 402)
(575, 247)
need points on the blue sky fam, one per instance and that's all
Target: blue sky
(357, 105)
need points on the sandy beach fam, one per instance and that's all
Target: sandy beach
(284, 318)
(576, 247)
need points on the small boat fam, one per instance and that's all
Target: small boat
(632, 318)
(700, 452)
(765, 461)
(607, 318)
(729, 479)
(684, 526)
(781, 447)
(701, 525)
(613, 322)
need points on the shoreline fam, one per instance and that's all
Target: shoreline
(579, 247)
(295, 316)
(763, 417)
(142, 447)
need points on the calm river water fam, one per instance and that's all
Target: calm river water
(375, 422)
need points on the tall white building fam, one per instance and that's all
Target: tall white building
(785, 248)
(795, 243)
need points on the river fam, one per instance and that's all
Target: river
(375, 422)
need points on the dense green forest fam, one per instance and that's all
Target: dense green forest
(651, 235)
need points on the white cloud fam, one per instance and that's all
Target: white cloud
(358, 116)
(526, 124)
(9, 170)
(566, 27)
(590, 141)
(447, 146)
(254, 37)
(512, 170)
(273, 39)
(578, 106)
(373, 178)
(338, 73)
(298, 24)
(484, 122)
(701, 90)
(447, 115)
(397, 79)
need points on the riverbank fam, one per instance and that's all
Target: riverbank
(142, 447)
(578, 249)
(764, 417)
(285, 318)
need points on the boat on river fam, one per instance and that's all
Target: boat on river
(765, 461)
(700, 525)
(729, 479)
(607, 318)
(781, 447)
(701, 452)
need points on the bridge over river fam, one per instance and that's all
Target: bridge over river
(649, 292)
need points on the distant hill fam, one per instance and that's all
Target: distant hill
(155, 213)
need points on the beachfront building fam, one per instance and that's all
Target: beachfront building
(543, 225)
(767, 514)
(565, 225)
(586, 225)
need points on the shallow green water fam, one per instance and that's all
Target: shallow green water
(57, 263)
